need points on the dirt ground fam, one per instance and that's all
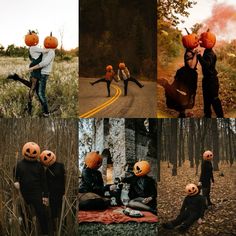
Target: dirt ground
(168, 72)
(219, 220)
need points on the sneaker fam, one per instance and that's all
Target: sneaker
(14, 77)
(46, 115)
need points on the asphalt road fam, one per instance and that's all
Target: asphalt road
(139, 103)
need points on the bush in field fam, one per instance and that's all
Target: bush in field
(169, 43)
(62, 89)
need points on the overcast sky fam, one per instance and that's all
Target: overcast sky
(203, 10)
(18, 16)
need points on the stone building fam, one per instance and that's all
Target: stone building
(122, 142)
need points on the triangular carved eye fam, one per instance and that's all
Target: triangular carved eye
(34, 152)
(27, 150)
(45, 158)
(138, 168)
(49, 154)
(189, 190)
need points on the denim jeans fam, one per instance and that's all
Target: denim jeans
(41, 92)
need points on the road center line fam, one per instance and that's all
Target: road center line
(103, 105)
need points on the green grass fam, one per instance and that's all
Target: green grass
(62, 89)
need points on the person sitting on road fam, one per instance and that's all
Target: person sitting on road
(124, 74)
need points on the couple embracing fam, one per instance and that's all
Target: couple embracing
(180, 95)
(40, 68)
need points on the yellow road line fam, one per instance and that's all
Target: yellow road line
(103, 105)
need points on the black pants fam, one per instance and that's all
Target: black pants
(187, 218)
(206, 193)
(106, 81)
(55, 202)
(133, 80)
(210, 88)
(36, 202)
(94, 204)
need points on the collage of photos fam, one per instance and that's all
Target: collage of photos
(118, 118)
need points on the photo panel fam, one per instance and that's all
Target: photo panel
(39, 59)
(118, 176)
(196, 59)
(196, 189)
(117, 58)
(38, 176)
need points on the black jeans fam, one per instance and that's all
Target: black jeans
(206, 193)
(42, 92)
(186, 218)
(133, 80)
(36, 202)
(210, 88)
(105, 81)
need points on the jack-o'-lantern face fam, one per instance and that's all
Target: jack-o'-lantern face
(207, 39)
(141, 168)
(109, 68)
(207, 155)
(122, 65)
(93, 160)
(47, 158)
(191, 189)
(31, 151)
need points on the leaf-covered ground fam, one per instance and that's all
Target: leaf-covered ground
(220, 220)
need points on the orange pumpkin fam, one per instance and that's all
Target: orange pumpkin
(109, 68)
(190, 41)
(31, 39)
(207, 39)
(122, 65)
(207, 155)
(50, 42)
(191, 189)
(47, 158)
(141, 168)
(93, 160)
(31, 151)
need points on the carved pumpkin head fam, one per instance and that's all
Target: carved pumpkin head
(207, 39)
(109, 68)
(122, 65)
(207, 155)
(31, 39)
(50, 42)
(141, 168)
(93, 160)
(47, 158)
(191, 189)
(190, 41)
(31, 151)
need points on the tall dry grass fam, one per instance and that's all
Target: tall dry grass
(62, 89)
(60, 136)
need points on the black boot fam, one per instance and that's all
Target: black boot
(168, 225)
(14, 77)
(183, 228)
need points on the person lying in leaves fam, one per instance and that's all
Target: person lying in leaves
(193, 208)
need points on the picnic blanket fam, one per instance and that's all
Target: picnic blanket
(113, 215)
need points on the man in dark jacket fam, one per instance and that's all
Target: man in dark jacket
(192, 209)
(210, 82)
(142, 192)
(206, 176)
(30, 178)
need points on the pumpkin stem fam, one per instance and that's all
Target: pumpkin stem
(51, 34)
(30, 32)
(187, 31)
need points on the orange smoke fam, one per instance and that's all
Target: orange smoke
(222, 22)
